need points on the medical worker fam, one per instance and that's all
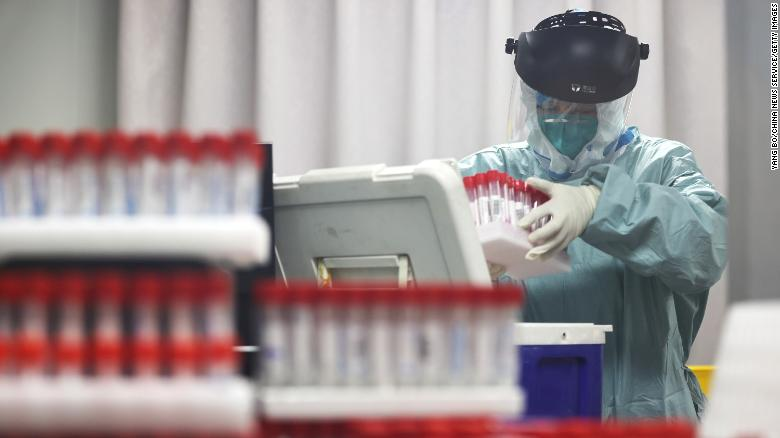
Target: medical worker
(644, 229)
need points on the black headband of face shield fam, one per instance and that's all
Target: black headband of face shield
(582, 57)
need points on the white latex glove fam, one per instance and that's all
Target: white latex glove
(571, 208)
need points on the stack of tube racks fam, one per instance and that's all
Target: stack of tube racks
(364, 352)
(115, 174)
(117, 288)
(95, 351)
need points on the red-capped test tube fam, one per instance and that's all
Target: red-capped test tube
(218, 162)
(60, 153)
(188, 185)
(70, 338)
(146, 337)
(483, 197)
(496, 196)
(119, 175)
(24, 177)
(155, 174)
(219, 324)
(275, 355)
(85, 182)
(107, 342)
(30, 342)
(182, 351)
(471, 192)
(247, 171)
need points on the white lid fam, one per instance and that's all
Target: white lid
(530, 333)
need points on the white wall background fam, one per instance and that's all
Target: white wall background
(57, 65)
(339, 82)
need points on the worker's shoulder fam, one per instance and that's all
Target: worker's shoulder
(661, 147)
(659, 158)
(499, 151)
(496, 157)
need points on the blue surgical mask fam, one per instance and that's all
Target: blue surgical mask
(568, 133)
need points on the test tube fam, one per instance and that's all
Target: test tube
(218, 162)
(509, 195)
(70, 338)
(328, 337)
(471, 192)
(356, 337)
(483, 196)
(458, 333)
(484, 337)
(496, 197)
(182, 357)
(59, 152)
(247, 170)
(23, 188)
(154, 193)
(379, 336)
(188, 185)
(520, 200)
(88, 155)
(31, 345)
(219, 324)
(506, 301)
(275, 356)
(407, 337)
(302, 331)
(504, 214)
(118, 175)
(107, 333)
(146, 337)
(433, 337)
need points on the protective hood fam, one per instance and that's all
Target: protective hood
(555, 131)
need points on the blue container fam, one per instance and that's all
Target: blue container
(561, 369)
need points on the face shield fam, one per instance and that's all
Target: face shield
(575, 73)
(567, 137)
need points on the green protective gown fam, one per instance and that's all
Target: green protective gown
(644, 264)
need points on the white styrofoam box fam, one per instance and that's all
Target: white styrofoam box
(420, 212)
(506, 244)
(353, 402)
(745, 394)
(242, 240)
(533, 333)
(74, 405)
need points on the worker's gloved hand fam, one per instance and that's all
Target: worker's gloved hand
(496, 270)
(571, 208)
